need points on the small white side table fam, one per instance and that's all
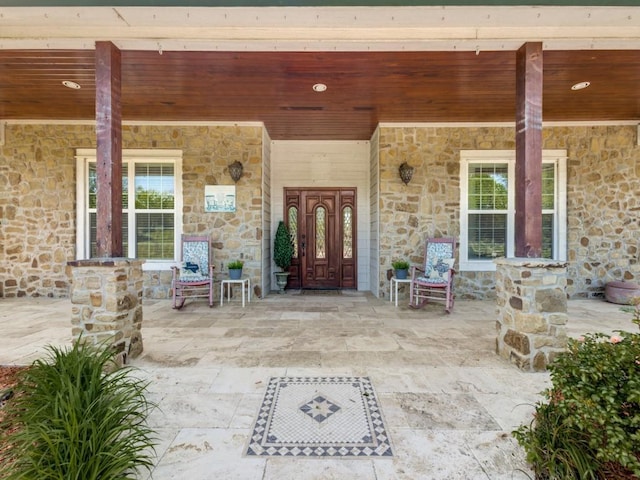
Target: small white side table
(394, 287)
(245, 283)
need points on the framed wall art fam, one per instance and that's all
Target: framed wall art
(220, 198)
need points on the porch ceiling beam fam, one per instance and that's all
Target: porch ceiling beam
(528, 218)
(108, 151)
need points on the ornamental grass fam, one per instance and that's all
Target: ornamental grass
(74, 416)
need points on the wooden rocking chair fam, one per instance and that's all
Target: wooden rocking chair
(194, 277)
(435, 280)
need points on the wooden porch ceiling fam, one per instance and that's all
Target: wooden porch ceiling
(363, 88)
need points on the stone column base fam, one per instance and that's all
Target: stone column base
(532, 311)
(106, 299)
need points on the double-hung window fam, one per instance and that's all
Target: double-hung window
(151, 205)
(487, 206)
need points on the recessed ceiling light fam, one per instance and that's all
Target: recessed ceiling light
(319, 87)
(580, 85)
(70, 84)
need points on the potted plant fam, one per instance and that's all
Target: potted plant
(282, 254)
(401, 268)
(235, 269)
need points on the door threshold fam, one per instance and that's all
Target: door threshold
(321, 291)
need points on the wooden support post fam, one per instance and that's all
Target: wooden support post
(528, 219)
(109, 151)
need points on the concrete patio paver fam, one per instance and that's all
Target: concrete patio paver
(449, 402)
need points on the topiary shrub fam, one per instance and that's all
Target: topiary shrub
(75, 416)
(589, 428)
(282, 247)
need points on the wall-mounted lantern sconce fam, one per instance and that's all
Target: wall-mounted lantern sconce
(406, 172)
(235, 170)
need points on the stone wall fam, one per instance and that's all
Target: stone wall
(603, 183)
(37, 199)
(37, 207)
(38, 184)
(207, 153)
(603, 196)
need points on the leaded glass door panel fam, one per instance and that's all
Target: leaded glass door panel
(322, 222)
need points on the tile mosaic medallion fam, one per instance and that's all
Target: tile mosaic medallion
(319, 417)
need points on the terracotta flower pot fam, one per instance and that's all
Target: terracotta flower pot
(621, 292)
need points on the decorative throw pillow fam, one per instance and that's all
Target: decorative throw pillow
(192, 267)
(439, 271)
(189, 270)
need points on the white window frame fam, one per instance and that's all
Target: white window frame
(558, 158)
(84, 156)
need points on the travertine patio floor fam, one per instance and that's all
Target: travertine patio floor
(448, 401)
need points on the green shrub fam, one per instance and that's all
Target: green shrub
(556, 450)
(76, 417)
(235, 265)
(592, 419)
(400, 265)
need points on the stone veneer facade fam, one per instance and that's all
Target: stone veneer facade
(531, 311)
(603, 199)
(38, 183)
(37, 200)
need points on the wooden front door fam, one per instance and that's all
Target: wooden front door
(322, 222)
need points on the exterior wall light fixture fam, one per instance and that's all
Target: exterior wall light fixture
(406, 172)
(235, 170)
